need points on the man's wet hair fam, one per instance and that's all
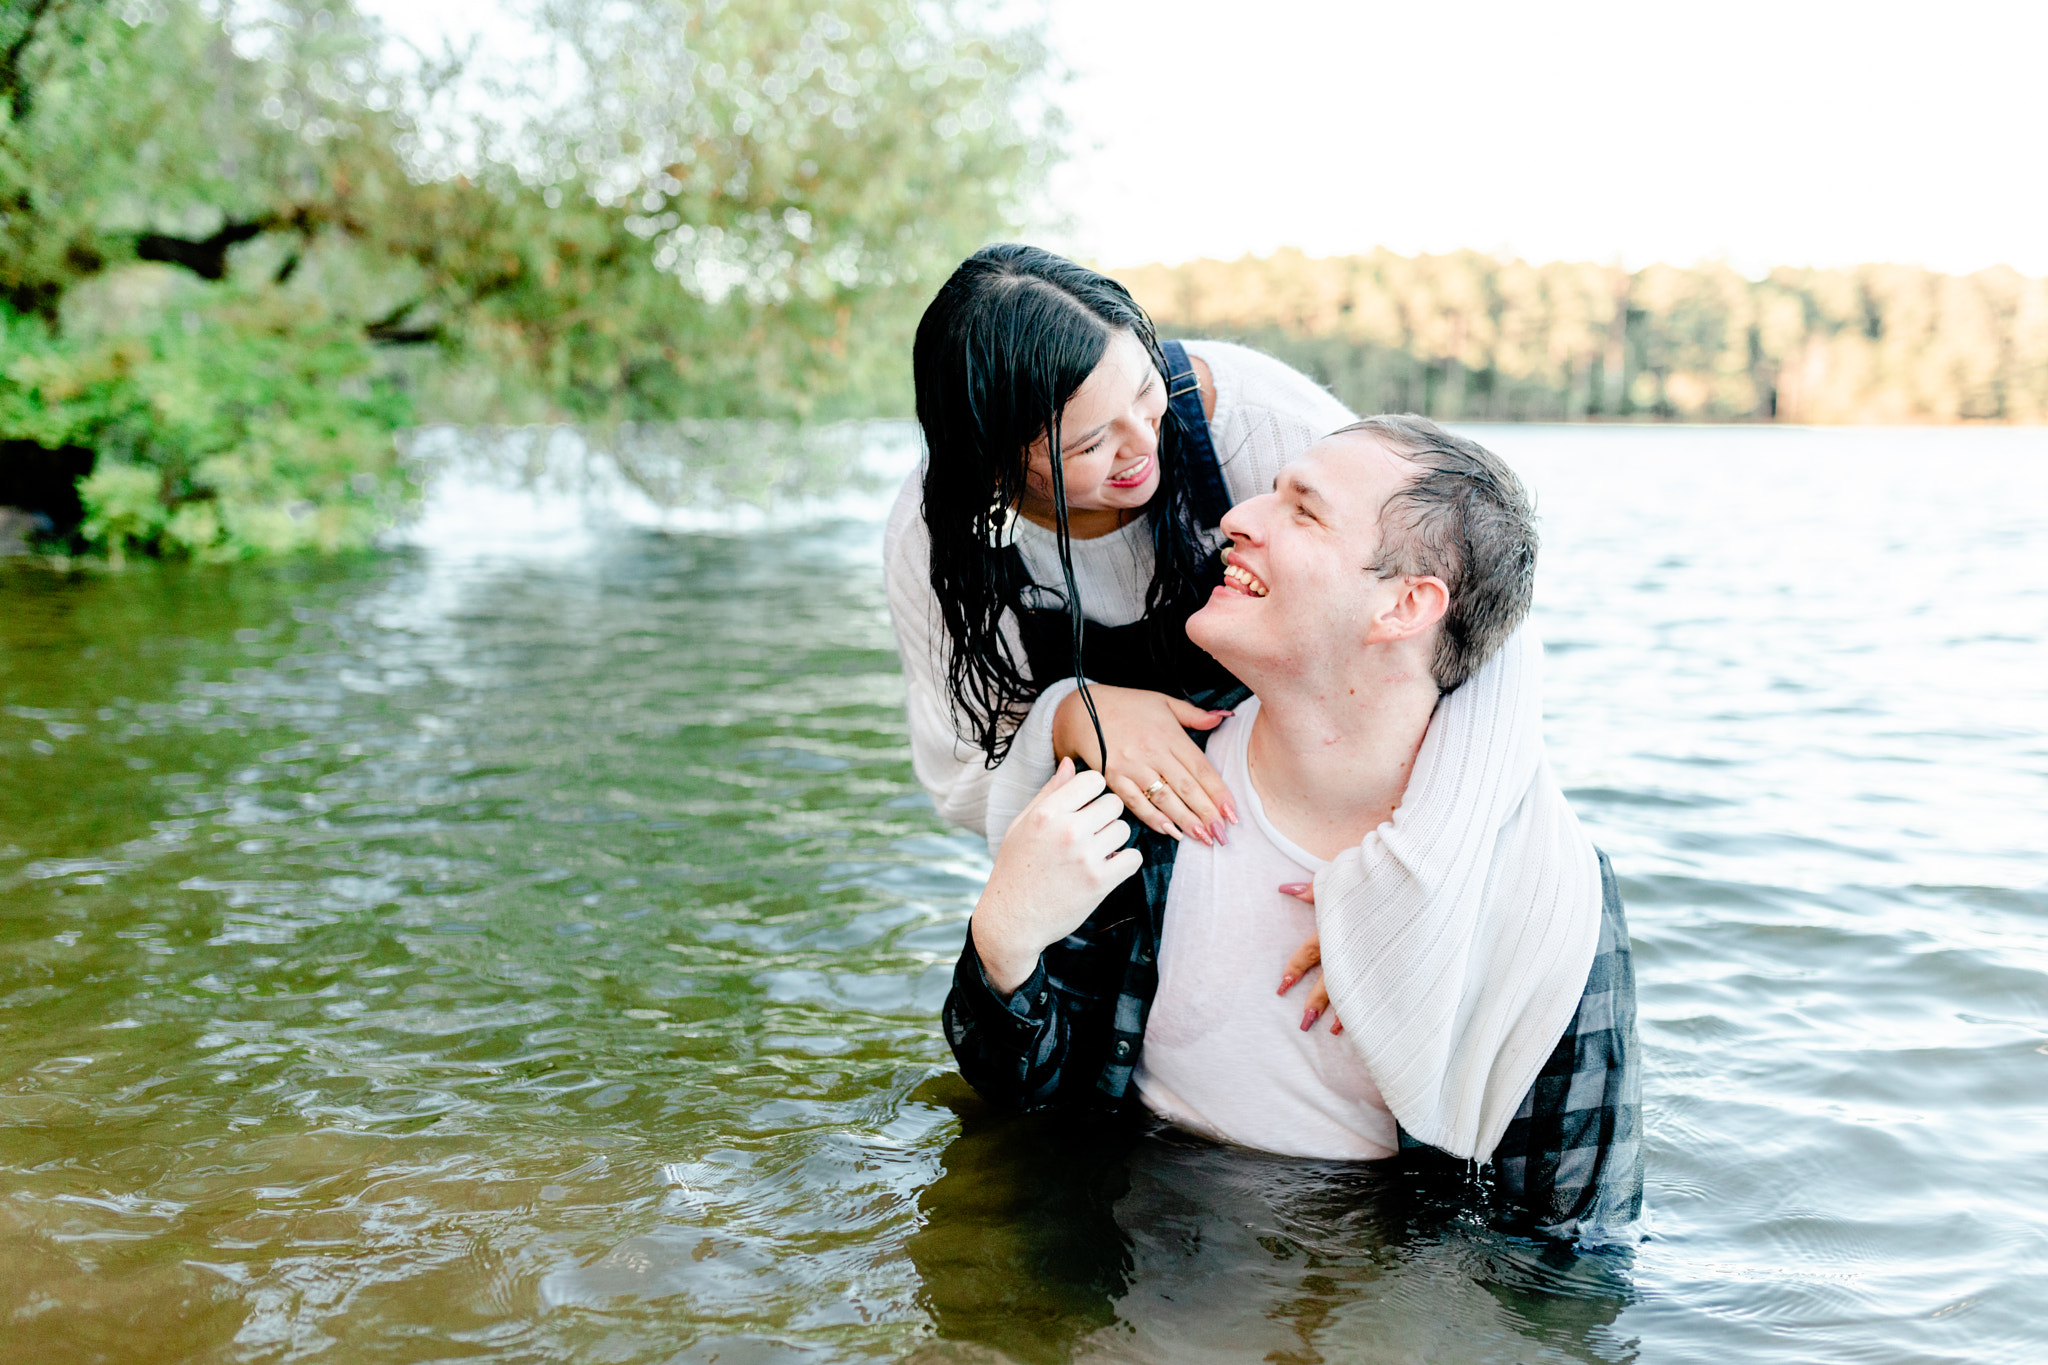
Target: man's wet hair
(1464, 518)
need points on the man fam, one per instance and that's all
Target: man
(1475, 947)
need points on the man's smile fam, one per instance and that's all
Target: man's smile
(1244, 580)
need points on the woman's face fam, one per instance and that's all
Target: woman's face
(1109, 434)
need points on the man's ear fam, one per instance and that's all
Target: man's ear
(1419, 604)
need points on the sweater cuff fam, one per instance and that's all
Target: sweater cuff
(1024, 1007)
(1028, 765)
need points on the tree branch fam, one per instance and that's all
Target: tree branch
(208, 257)
(17, 93)
(388, 330)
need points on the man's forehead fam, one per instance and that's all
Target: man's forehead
(1350, 466)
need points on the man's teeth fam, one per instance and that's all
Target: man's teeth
(1245, 581)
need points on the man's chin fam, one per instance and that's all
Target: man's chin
(1207, 627)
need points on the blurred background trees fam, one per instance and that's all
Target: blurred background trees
(242, 243)
(1469, 335)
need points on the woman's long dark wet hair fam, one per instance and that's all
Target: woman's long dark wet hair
(1007, 341)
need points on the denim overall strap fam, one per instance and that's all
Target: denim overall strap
(1206, 489)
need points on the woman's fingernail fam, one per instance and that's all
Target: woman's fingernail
(1308, 1020)
(1293, 888)
(1230, 812)
(1225, 714)
(1336, 1028)
(1217, 829)
(1286, 982)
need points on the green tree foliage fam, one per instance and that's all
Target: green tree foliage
(1472, 335)
(766, 191)
(238, 248)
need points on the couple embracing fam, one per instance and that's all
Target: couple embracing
(1239, 690)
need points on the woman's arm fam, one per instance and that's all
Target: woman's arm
(1147, 730)
(950, 767)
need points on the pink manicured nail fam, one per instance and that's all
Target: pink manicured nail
(1286, 984)
(1308, 1020)
(1336, 1028)
(1230, 812)
(1216, 829)
(1225, 714)
(1293, 888)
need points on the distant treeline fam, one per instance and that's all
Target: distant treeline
(1469, 335)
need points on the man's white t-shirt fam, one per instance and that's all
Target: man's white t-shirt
(1224, 1053)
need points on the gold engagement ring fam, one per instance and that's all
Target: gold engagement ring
(1151, 793)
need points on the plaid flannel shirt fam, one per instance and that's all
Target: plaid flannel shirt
(1570, 1164)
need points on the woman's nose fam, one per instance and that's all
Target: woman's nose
(1142, 438)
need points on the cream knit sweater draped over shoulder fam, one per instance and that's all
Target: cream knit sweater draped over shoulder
(1457, 937)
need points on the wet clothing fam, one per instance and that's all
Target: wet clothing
(1151, 652)
(1070, 1036)
(1225, 1054)
(1073, 1034)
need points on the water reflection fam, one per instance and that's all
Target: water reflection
(1047, 1240)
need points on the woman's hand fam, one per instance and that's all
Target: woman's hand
(1060, 858)
(1148, 743)
(1305, 960)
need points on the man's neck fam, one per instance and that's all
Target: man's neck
(1330, 769)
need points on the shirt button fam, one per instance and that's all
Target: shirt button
(1123, 1049)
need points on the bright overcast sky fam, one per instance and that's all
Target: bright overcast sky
(1762, 131)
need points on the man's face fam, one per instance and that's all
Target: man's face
(1298, 596)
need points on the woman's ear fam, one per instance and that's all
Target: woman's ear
(1420, 603)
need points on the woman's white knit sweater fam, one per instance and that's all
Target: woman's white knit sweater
(1457, 937)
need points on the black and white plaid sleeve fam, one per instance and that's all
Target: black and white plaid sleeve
(1070, 1036)
(1572, 1158)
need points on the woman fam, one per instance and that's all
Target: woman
(1023, 358)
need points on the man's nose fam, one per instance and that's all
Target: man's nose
(1241, 522)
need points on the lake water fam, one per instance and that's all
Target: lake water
(528, 945)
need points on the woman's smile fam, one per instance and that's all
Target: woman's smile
(1134, 475)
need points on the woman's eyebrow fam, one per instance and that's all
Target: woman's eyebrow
(1081, 441)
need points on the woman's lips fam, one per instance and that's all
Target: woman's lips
(1133, 476)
